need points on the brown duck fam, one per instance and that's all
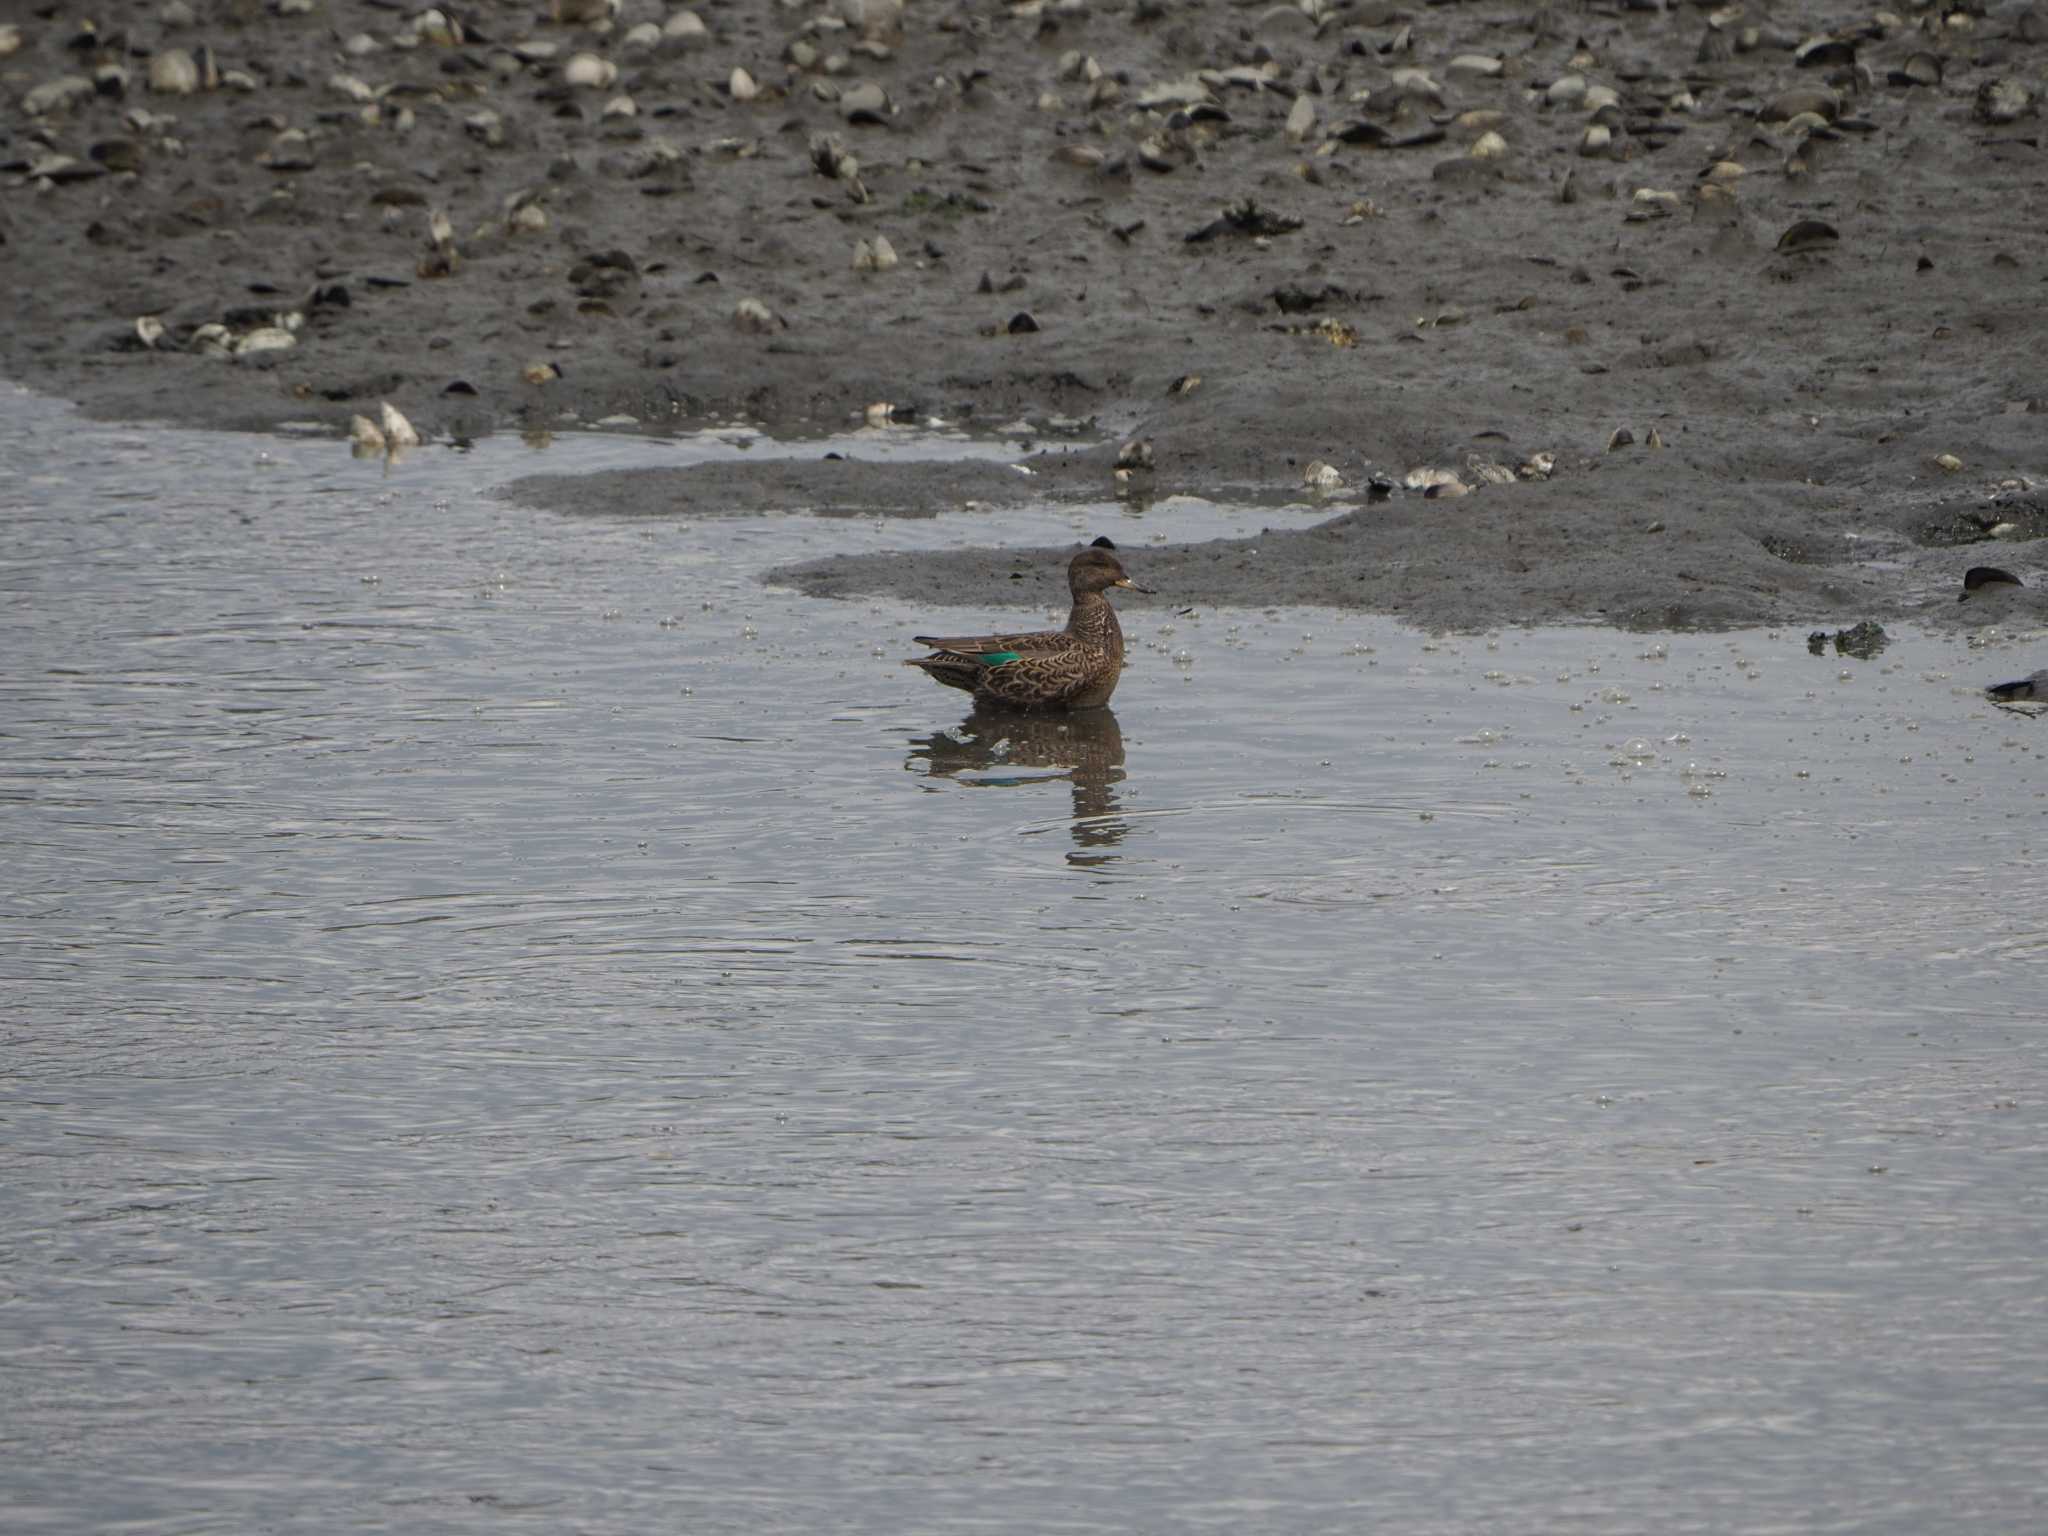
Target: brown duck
(1071, 668)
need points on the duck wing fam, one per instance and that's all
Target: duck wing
(1024, 679)
(1037, 643)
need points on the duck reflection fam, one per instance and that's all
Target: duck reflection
(1086, 746)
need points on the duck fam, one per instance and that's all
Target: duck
(1072, 668)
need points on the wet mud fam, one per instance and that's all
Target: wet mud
(1764, 288)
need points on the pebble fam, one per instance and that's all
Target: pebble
(587, 71)
(1489, 146)
(864, 103)
(740, 85)
(1482, 64)
(1948, 463)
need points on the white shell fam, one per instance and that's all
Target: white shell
(398, 432)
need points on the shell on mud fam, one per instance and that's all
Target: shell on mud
(1787, 105)
(173, 72)
(1620, 437)
(587, 71)
(1537, 466)
(1808, 235)
(2002, 101)
(1301, 119)
(212, 340)
(1425, 477)
(1320, 476)
(1947, 463)
(1487, 472)
(753, 316)
(1489, 146)
(542, 372)
(1597, 140)
(527, 219)
(1565, 90)
(741, 86)
(265, 338)
(1481, 64)
(876, 255)
(1135, 454)
(687, 28)
(1919, 69)
(291, 150)
(57, 95)
(10, 40)
(149, 330)
(365, 440)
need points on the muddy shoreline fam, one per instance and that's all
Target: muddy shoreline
(1445, 271)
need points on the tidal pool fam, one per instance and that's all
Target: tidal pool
(514, 1025)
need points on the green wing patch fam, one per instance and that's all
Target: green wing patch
(997, 658)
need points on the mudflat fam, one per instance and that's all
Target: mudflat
(1659, 316)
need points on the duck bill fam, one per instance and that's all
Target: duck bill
(1131, 586)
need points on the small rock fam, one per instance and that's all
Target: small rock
(753, 316)
(1597, 140)
(1322, 477)
(740, 85)
(1948, 463)
(540, 373)
(1537, 466)
(864, 103)
(365, 439)
(1620, 438)
(149, 330)
(1135, 454)
(1482, 64)
(1489, 146)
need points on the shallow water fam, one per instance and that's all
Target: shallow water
(514, 1025)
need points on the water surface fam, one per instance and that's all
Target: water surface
(514, 1025)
